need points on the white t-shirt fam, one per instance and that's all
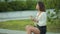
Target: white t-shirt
(42, 19)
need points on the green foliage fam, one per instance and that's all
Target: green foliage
(17, 5)
(52, 4)
(27, 5)
(2, 6)
(31, 4)
(53, 23)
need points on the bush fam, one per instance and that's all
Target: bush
(17, 5)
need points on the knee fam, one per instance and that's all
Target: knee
(28, 27)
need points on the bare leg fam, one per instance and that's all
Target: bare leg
(28, 30)
(31, 29)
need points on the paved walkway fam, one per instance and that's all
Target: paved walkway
(6, 31)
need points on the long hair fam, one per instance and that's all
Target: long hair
(41, 6)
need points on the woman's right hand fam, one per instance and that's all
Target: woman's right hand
(31, 17)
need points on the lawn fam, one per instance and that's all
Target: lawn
(20, 25)
(15, 24)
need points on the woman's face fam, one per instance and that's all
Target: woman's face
(37, 7)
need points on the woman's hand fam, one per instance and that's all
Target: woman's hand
(33, 19)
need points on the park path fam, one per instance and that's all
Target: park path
(6, 31)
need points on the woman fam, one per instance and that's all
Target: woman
(40, 21)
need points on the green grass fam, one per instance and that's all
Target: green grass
(54, 26)
(21, 24)
(15, 24)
